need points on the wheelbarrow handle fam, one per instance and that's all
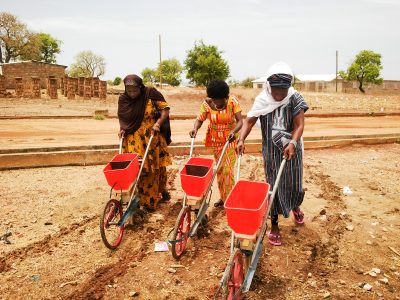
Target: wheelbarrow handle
(120, 144)
(191, 147)
(239, 160)
(141, 168)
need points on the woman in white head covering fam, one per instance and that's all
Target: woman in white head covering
(280, 109)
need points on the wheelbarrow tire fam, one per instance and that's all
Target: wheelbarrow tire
(235, 277)
(112, 214)
(181, 232)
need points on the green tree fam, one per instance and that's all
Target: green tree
(247, 82)
(205, 63)
(16, 41)
(88, 64)
(171, 71)
(149, 76)
(49, 47)
(365, 69)
(117, 81)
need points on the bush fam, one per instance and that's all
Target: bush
(117, 81)
(247, 82)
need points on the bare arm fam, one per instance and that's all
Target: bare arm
(298, 125)
(196, 127)
(298, 121)
(239, 122)
(247, 126)
(164, 115)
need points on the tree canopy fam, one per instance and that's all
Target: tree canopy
(15, 38)
(17, 42)
(49, 47)
(205, 63)
(88, 64)
(365, 68)
(149, 76)
(170, 69)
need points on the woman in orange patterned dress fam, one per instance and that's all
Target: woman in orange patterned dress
(225, 116)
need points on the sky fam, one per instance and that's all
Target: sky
(252, 34)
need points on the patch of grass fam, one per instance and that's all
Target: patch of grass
(99, 117)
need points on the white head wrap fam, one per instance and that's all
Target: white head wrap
(264, 102)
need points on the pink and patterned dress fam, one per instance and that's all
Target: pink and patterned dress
(222, 122)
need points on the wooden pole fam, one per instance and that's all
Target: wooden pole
(159, 42)
(337, 54)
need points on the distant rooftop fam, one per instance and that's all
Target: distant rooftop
(317, 77)
(305, 77)
(30, 61)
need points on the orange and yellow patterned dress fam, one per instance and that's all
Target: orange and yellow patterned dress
(153, 180)
(222, 122)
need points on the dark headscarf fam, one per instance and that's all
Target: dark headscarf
(280, 80)
(131, 110)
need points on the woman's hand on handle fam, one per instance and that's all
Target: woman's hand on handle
(155, 129)
(193, 133)
(289, 152)
(240, 147)
(121, 134)
(231, 137)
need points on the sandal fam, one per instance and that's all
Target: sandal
(274, 238)
(219, 203)
(298, 216)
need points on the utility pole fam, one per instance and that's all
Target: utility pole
(337, 54)
(159, 42)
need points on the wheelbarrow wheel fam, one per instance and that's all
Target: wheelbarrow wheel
(111, 233)
(180, 233)
(235, 278)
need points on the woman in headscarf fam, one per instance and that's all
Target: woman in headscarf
(136, 113)
(280, 109)
(225, 116)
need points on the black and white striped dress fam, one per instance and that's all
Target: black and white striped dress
(276, 128)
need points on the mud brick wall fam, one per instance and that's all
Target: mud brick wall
(35, 87)
(27, 70)
(81, 85)
(76, 85)
(2, 86)
(103, 90)
(65, 85)
(62, 85)
(48, 85)
(71, 88)
(52, 87)
(87, 93)
(19, 86)
(95, 87)
(27, 88)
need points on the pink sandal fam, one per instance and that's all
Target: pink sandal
(274, 238)
(298, 216)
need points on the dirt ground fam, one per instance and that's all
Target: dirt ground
(186, 101)
(56, 251)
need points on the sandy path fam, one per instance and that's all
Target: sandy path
(19, 134)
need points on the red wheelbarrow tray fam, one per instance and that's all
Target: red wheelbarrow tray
(246, 206)
(196, 176)
(122, 170)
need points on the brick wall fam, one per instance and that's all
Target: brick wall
(29, 69)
